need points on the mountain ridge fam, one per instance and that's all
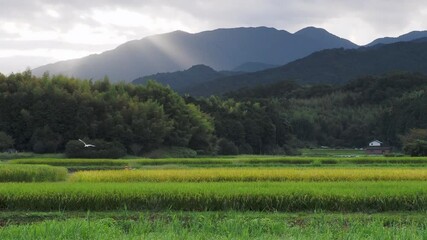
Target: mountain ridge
(410, 36)
(329, 66)
(181, 80)
(221, 49)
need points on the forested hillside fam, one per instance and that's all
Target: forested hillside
(43, 114)
(350, 115)
(334, 66)
(182, 80)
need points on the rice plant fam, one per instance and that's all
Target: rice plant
(252, 174)
(31, 173)
(241, 196)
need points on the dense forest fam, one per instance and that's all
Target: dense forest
(350, 115)
(46, 114)
(43, 114)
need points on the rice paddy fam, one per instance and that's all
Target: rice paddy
(215, 198)
(31, 173)
(252, 174)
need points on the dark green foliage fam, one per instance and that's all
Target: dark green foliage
(227, 147)
(42, 114)
(172, 152)
(337, 116)
(102, 149)
(256, 125)
(245, 149)
(417, 148)
(415, 142)
(6, 141)
(44, 140)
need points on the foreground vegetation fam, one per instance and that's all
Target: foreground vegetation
(258, 196)
(221, 225)
(241, 197)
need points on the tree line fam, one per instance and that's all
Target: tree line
(43, 114)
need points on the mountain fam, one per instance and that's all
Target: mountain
(253, 67)
(221, 49)
(182, 80)
(403, 38)
(330, 66)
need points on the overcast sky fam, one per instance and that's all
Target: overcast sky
(36, 32)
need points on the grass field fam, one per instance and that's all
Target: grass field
(335, 194)
(217, 225)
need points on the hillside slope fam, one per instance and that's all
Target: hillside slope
(222, 49)
(330, 66)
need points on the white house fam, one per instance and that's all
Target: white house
(375, 143)
(377, 147)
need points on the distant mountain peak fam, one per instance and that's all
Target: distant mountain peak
(402, 38)
(321, 35)
(181, 80)
(312, 30)
(201, 67)
(220, 49)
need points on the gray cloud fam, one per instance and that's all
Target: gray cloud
(361, 21)
(27, 45)
(382, 16)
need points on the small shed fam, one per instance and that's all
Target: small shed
(377, 147)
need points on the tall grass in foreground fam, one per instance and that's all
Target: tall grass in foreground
(201, 226)
(240, 196)
(31, 173)
(252, 174)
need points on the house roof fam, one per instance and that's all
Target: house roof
(378, 141)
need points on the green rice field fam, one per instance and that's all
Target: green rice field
(241, 197)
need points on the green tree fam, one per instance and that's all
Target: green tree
(6, 141)
(415, 142)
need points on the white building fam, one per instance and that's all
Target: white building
(375, 143)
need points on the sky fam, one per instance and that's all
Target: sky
(37, 32)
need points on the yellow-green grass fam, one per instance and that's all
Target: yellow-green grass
(215, 196)
(31, 173)
(252, 174)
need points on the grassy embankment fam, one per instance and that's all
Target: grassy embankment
(240, 161)
(218, 225)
